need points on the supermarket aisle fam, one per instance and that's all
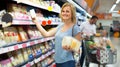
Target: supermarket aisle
(116, 43)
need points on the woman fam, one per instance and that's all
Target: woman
(63, 56)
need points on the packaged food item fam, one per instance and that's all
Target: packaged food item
(2, 39)
(33, 32)
(11, 35)
(0, 65)
(72, 43)
(39, 64)
(2, 12)
(13, 60)
(20, 57)
(30, 32)
(6, 63)
(38, 50)
(13, 7)
(30, 55)
(32, 13)
(23, 34)
(47, 46)
(42, 47)
(25, 54)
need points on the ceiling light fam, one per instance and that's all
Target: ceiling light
(117, 1)
(113, 7)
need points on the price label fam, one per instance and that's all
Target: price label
(1, 50)
(49, 53)
(15, 47)
(24, 45)
(39, 41)
(28, 43)
(50, 8)
(45, 39)
(20, 46)
(40, 58)
(28, 65)
(32, 43)
(42, 40)
(11, 48)
(36, 41)
(31, 63)
(35, 60)
(43, 56)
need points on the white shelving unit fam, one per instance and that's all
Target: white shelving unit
(27, 21)
(29, 64)
(24, 45)
(36, 5)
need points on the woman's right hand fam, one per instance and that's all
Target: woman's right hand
(34, 20)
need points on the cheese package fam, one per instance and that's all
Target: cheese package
(72, 43)
(32, 13)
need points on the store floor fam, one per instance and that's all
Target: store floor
(116, 43)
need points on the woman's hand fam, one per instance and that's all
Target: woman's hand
(66, 47)
(34, 20)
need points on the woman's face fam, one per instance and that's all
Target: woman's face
(66, 13)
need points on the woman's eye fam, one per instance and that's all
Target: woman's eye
(63, 11)
(67, 11)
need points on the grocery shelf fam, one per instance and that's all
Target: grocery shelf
(23, 45)
(35, 5)
(44, 56)
(50, 64)
(29, 64)
(29, 22)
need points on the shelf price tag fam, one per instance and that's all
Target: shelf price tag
(50, 8)
(49, 53)
(15, 47)
(27, 65)
(35, 60)
(45, 39)
(28, 43)
(24, 45)
(43, 56)
(32, 43)
(20, 46)
(36, 41)
(1, 50)
(11, 48)
(39, 41)
(42, 40)
(31, 63)
(40, 58)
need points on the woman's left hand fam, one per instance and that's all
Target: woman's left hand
(66, 47)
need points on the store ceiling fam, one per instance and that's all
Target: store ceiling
(105, 6)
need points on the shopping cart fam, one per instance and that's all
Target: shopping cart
(89, 57)
(94, 55)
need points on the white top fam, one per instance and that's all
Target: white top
(87, 28)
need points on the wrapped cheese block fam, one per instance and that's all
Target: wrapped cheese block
(72, 43)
